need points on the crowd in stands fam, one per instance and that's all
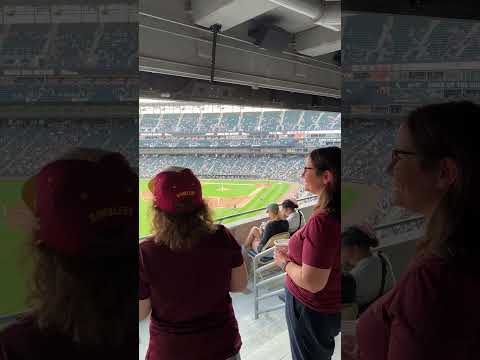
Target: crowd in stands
(250, 122)
(70, 46)
(407, 39)
(56, 90)
(278, 167)
(239, 141)
(26, 148)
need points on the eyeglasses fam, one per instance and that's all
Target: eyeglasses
(396, 154)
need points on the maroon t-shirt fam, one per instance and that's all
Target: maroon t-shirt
(23, 340)
(192, 313)
(318, 244)
(432, 313)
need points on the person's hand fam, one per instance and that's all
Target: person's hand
(280, 255)
(349, 347)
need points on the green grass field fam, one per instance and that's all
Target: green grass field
(13, 265)
(224, 189)
(348, 197)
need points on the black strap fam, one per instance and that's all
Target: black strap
(384, 273)
(364, 307)
(299, 221)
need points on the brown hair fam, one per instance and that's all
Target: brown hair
(87, 301)
(182, 231)
(328, 158)
(442, 131)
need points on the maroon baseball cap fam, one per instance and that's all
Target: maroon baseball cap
(84, 207)
(176, 190)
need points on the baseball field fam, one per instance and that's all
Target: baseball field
(13, 263)
(225, 198)
(349, 195)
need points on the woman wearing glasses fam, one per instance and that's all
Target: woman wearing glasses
(435, 171)
(312, 263)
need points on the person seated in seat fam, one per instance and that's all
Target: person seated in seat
(295, 217)
(372, 272)
(258, 236)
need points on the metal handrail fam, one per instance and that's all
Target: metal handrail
(399, 222)
(8, 318)
(259, 209)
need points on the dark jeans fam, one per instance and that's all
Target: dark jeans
(312, 334)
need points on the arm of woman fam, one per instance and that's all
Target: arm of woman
(239, 279)
(144, 308)
(307, 277)
(267, 233)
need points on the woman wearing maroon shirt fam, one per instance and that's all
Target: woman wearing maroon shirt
(312, 263)
(432, 312)
(187, 269)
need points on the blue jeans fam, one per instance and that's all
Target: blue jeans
(312, 334)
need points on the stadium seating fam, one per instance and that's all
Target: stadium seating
(26, 148)
(279, 167)
(117, 47)
(22, 43)
(407, 39)
(248, 122)
(70, 46)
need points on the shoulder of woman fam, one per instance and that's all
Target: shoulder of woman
(146, 241)
(322, 217)
(19, 329)
(421, 280)
(223, 231)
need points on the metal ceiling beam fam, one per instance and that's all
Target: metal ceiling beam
(326, 14)
(307, 42)
(228, 13)
(172, 48)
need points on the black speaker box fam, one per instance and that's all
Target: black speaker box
(270, 37)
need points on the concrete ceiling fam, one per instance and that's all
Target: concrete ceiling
(175, 39)
(297, 17)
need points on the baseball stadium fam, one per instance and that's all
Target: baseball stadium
(238, 180)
